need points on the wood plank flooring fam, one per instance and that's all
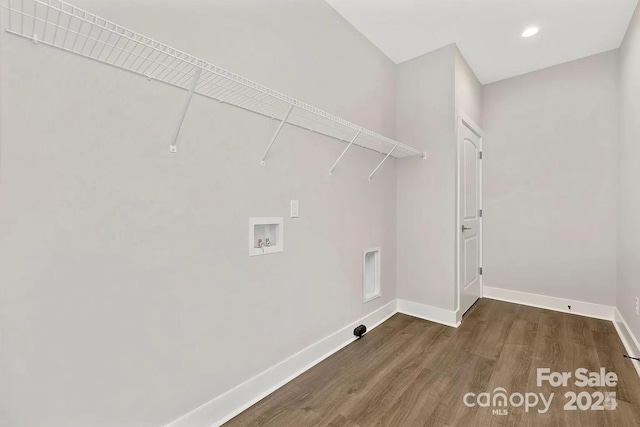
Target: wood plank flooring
(411, 372)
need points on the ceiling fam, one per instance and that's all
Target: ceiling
(488, 32)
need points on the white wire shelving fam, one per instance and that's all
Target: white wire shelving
(59, 24)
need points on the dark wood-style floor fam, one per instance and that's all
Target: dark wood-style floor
(410, 372)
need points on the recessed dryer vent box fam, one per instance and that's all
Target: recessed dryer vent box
(265, 236)
(371, 275)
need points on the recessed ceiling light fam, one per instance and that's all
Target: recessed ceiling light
(531, 31)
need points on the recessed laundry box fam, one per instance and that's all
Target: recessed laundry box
(265, 235)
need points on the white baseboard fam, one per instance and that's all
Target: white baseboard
(627, 337)
(226, 406)
(581, 308)
(427, 312)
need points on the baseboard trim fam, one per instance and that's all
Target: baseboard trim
(427, 312)
(226, 406)
(629, 340)
(231, 403)
(581, 308)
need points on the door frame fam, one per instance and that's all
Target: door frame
(462, 119)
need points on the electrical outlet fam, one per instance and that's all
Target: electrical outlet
(637, 306)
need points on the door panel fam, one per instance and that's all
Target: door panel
(472, 269)
(470, 173)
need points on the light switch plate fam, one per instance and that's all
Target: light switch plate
(295, 209)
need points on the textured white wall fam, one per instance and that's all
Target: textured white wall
(128, 297)
(629, 177)
(550, 180)
(426, 192)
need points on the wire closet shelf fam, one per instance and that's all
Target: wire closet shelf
(64, 26)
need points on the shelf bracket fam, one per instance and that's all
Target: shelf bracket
(173, 148)
(275, 135)
(344, 152)
(383, 160)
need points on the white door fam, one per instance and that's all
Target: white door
(470, 223)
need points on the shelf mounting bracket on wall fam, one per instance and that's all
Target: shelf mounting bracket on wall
(275, 136)
(173, 148)
(344, 152)
(383, 160)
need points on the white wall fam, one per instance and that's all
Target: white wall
(550, 181)
(629, 177)
(430, 89)
(425, 102)
(468, 90)
(128, 297)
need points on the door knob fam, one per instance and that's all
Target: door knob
(465, 228)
